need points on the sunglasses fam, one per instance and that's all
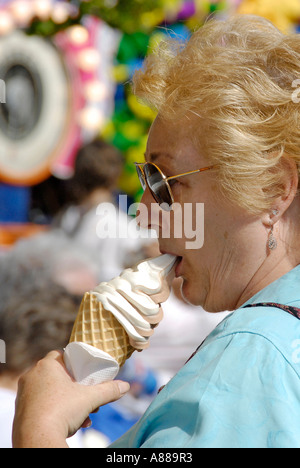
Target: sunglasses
(151, 176)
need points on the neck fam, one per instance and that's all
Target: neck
(271, 270)
(277, 263)
(236, 281)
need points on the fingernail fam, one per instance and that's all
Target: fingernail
(87, 423)
(123, 387)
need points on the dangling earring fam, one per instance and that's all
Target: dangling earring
(272, 242)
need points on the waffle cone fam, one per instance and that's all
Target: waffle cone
(99, 328)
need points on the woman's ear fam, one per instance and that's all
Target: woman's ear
(289, 184)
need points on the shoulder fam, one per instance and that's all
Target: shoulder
(240, 390)
(272, 329)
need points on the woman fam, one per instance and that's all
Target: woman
(227, 117)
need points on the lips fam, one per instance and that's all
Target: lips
(178, 265)
(178, 269)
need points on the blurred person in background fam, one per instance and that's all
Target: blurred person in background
(42, 280)
(34, 320)
(47, 255)
(93, 218)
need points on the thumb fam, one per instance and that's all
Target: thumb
(107, 392)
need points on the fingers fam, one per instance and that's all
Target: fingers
(56, 354)
(123, 387)
(86, 424)
(108, 392)
(114, 389)
(105, 392)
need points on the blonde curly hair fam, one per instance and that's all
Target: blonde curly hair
(238, 77)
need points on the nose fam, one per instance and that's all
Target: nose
(143, 214)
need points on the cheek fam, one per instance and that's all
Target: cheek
(185, 222)
(192, 266)
(195, 278)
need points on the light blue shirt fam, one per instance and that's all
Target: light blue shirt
(241, 389)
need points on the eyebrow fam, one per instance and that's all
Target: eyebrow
(154, 156)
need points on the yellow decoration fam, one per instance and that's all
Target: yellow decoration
(150, 19)
(135, 154)
(283, 13)
(202, 7)
(172, 6)
(139, 109)
(108, 131)
(154, 41)
(132, 129)
(129, 183)
(120, 73)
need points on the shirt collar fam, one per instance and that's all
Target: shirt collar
(285, 290)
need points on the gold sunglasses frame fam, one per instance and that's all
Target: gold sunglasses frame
(166, 179)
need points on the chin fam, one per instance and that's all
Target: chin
(192, 294)
(196, 296)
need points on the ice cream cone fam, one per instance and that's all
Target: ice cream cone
(119, 316)
(99, 328)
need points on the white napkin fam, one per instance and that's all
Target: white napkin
(89, 365)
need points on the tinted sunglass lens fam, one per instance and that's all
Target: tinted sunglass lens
(157, 185)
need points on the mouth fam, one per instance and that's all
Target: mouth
(178, 267)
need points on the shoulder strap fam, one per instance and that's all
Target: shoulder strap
(291, 310)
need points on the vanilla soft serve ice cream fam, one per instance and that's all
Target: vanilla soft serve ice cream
(123, 315)
(128, 297)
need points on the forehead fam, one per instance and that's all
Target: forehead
(171, 142)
